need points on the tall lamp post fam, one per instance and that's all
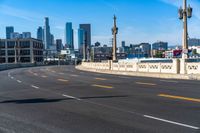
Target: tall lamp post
(114, 32)
(184, 13)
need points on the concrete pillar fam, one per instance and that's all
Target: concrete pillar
(183, 66)
(176, 66)
(31, 52)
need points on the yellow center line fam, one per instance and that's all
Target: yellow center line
(142, 83)
(102, 86)
(63, 80)
(100, 79)
(179, 97)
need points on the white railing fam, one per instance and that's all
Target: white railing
(193, 68)
(136, 67)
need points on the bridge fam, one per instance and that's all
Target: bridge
(63, 99)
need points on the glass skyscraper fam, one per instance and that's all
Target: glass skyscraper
(40, 33)
(47, 34)
(9, 30)
(87, 29)
(69, 36)
(81, 38)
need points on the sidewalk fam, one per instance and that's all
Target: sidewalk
(142, 74)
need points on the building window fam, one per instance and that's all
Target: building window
(2, 44)
(24, 52)
(25, 44)
(11, 52)
(25, 59)
(11, 59)
(10, 44)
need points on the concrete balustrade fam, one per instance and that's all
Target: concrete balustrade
(193, 68)
(171, 68)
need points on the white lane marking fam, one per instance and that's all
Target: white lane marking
(72, 97)
(19, 81)
(61, 73)
(170, 81)
(172, 122)
(73, 75)
(53, 71)
(12, 77)
(34, 86)
(35, 74)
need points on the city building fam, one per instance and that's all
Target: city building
(193, 42)
(21, 51)
(123, 44)
(47, 34)
(87, 29)
(9, 30)
(69, 36)
(26, 35)
(142, 50)
(160, 46)
(86, 41)
(40, 33)
(81, 41)
(16, 35)
(59, 45)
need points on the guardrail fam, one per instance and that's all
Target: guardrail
(18, 65)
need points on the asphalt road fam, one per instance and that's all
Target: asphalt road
(65, 100)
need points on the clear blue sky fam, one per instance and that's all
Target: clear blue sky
(138, 20)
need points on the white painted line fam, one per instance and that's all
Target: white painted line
(34, 86)
(19, 81)
(61, 73)
(172, 122)
(12, 77)
(68, 96)
(35, 74)
(170, 81)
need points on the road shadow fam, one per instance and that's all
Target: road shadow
(43, 100)
(34, 101)
(104, 97)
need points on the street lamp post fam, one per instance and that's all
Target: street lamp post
(184, 13)
(114, 32)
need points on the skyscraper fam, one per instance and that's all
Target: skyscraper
(47, 34)
(40, 33)
(87, 29)
(82, 43)
(81, 38)
(69, 37)
(9, 30)
(59, 45)
(26, 35)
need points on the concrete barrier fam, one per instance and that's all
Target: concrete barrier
(173, 67)
(19, 65)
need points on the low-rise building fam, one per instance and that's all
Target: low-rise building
(21, 51)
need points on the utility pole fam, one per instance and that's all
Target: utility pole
(114, 32)
(184, 13)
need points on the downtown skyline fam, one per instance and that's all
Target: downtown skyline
(138, 21)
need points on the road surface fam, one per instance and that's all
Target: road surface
(65, 100)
